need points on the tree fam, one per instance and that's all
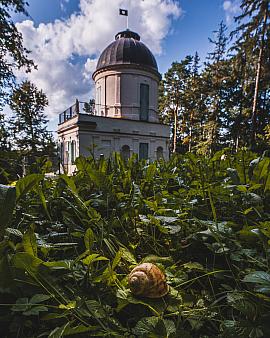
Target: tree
(194, 100)
(89, 107)
(215, 76)
(253, 35)
(12, 53)
(172, 93)
(29, 124)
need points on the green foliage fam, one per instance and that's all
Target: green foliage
(70, 242)
(7, 204)
(12, 53)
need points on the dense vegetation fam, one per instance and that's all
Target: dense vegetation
(68, 244)
(224, 101)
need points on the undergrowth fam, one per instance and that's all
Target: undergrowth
(68, 244)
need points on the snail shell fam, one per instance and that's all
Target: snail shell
(148, 280)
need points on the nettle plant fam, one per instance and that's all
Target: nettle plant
(68, 245)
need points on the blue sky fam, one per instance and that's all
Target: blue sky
(67, 36)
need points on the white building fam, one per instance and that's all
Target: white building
(124, 116)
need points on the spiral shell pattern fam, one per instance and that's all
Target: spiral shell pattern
(148, 280)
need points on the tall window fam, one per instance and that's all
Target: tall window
(62, 152)
(159, 153)
(144, 102)
(143, 151)
(98, 100)
(73, 151)
(125, 152)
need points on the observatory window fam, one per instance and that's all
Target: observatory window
(62, 152)
(98, 100)
(144, 102)
(159, 153)
(125, 152)
(73, 151)
(143, 151)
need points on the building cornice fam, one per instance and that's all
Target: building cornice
(123, 66)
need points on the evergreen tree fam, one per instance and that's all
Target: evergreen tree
(253, 39)
(12, 53)
(3, 134)
(29, 124)
(172, 102)
(195, 107)
(215, 78)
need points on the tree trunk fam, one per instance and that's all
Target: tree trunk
(190, 132)
(257, 81)
(175, 129)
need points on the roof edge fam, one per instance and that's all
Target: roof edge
(127, 65)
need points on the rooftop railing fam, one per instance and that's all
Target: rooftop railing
(78, 107)
(92, 108)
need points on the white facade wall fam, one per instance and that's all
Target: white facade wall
(118, 93)
(101, 136)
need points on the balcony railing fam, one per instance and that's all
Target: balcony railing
(92, 108)
(78, 107)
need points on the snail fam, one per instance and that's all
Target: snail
(148, 280)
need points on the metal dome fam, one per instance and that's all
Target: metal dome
(127, 49)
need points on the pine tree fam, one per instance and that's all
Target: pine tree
(253, 37)
(3, 134)
(215, 76)
(12, 53)
(172, 97)
(29, 124)
(195, 107)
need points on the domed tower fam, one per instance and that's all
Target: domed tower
(126, 80)
(124, 118)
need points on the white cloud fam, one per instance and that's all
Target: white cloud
(66, 52)
(231, 8)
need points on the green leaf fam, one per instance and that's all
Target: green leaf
(154, 327)
(89, 239)
(59, 265)
(117, 259)
(93, 258)
(30, 242)
(25, 184)
(21, 305)
(7, 205)
(96, 309)
(259, 277)
(70, 183)
(14, 232)
(193, 266)
(35, 310)
(146, 326)
(43, 201)
(76, 330)
(39, 298)
(128, 256)
(25, 261)
(69, 306)
(267, 183)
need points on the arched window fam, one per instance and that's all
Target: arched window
(125, 152)
(160, 153)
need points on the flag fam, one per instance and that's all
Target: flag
(123, 12)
